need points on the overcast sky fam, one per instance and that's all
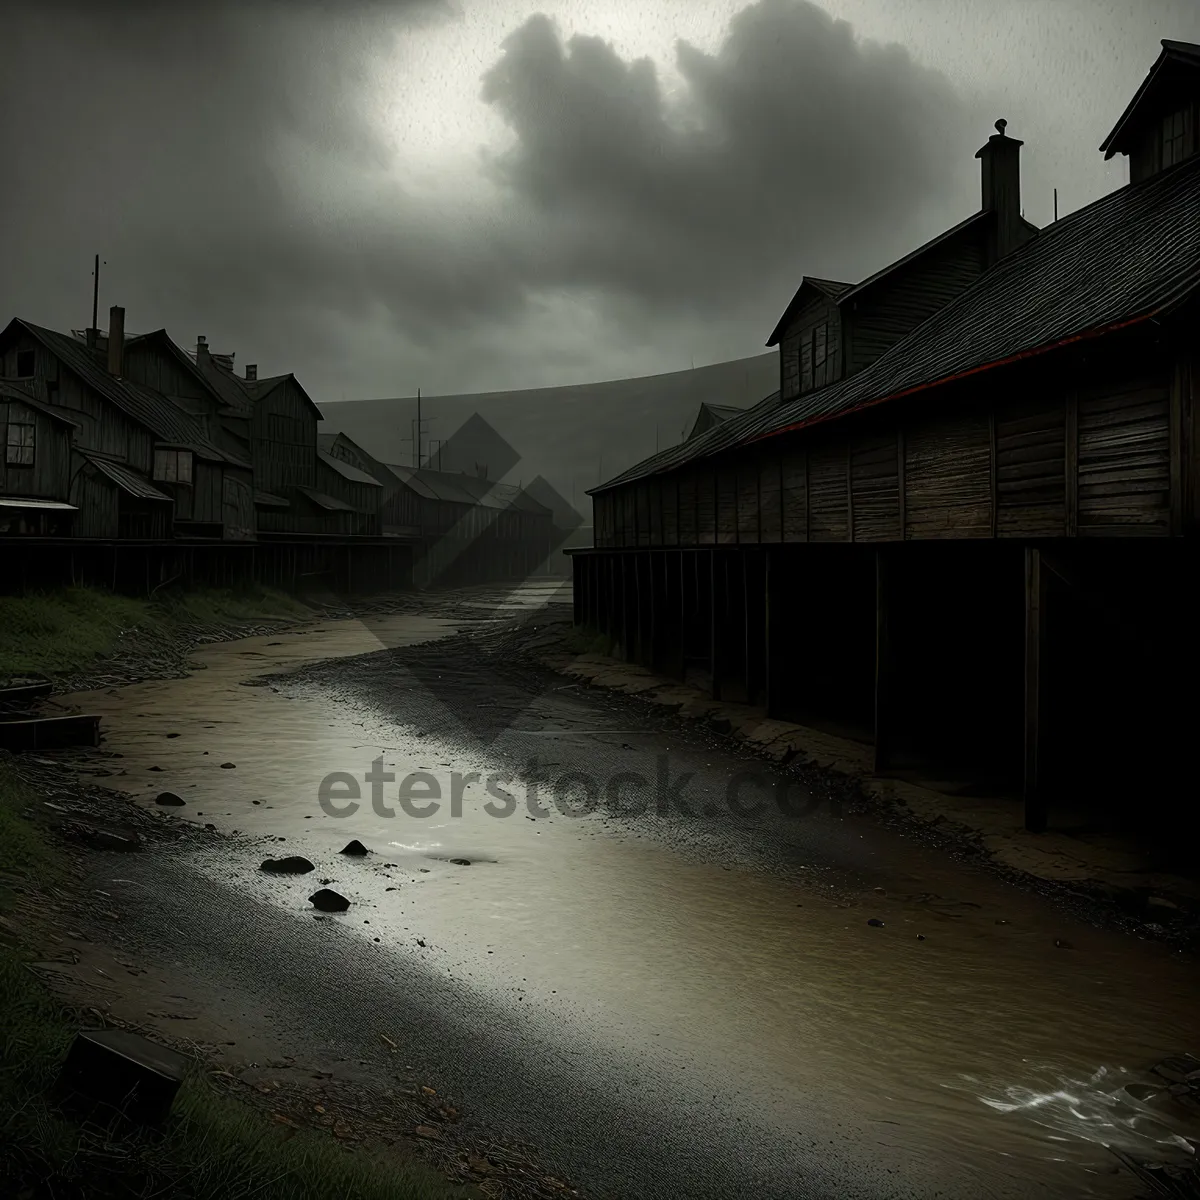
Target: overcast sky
(383, 195)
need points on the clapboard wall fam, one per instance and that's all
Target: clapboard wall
(1096, 447)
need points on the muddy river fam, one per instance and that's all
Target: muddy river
(667, 1004)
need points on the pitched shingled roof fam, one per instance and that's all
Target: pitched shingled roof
(346, 470)
(148, 408)
(1129, 256)
(127, 480)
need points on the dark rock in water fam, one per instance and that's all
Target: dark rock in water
(169, 799)
(228, 766)
(876, 922)
(355, 848)
(461, 862)
(293, 865)
(172, 735)
(1059, 944)
(154, 768)
(328, 901)
(1178, 1068)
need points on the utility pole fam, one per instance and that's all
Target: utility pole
(418, 441)
(1056, 204)
(95, 292)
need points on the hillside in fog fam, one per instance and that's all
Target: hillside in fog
(573, 436)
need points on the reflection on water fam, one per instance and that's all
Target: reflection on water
(1113, 1107)
(921, 1036)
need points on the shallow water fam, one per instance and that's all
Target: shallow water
(982, 1057)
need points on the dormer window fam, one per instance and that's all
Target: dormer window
(820, 340)
(1175, 137)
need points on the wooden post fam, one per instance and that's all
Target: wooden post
(769, 675)
(1035, 592)
(579, 586)
(639, 610)
(883, 663)
(715, 619)
(1072, 465)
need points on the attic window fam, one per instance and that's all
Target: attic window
(19, 440)
(1175, 137)
(173, 466)
(25, 364)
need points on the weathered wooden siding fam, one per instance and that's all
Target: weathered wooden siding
(95, 497)
(899, 302)
(669, 492)
(727, 503)
(1124, 457)
(285, 440)
(1077, 451)
(1031, 465)
(689, 529)
(770, 498)
(828, 492)
(48, 477)
(875, 488)
(706, 506)
(947, 478)
(149, 364)
(795, 495)
(237, 504)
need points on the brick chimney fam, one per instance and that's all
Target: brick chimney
(116, 341)
(1000, 172)
(201, 350)
(251, 372)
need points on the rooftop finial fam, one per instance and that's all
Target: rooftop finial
(1001, 126)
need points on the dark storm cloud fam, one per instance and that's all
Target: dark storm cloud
(227, 161)
(792, 139)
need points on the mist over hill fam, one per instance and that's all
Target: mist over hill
(575, 437)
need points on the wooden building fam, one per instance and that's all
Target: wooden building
(141, 465)
(35, 473)
(467, 528)
(963, 528)
(709, 416)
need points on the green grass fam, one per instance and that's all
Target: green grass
(213, 1146)
(71, 629)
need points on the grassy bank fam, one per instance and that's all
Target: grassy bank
(70, 630)
(213, 1146)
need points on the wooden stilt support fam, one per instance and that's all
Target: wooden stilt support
(716, 622)
(1035, 595)
(883, 663)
